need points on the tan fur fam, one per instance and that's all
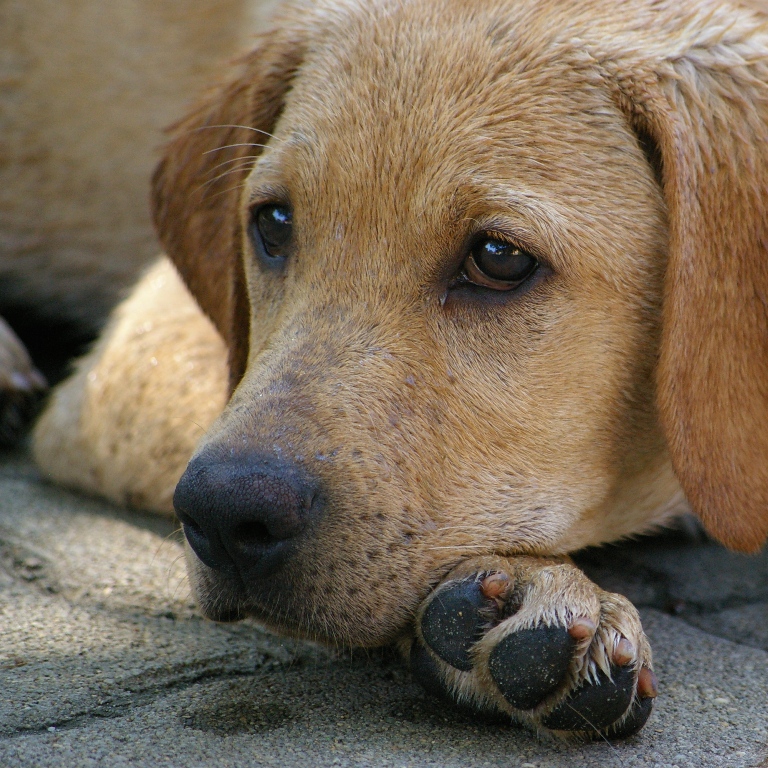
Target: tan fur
(446, 427)
(87, 88)
(161, 349)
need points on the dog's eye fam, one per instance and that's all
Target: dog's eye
(497, 264)
(272, 227)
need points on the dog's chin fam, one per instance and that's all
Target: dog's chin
(295, 608)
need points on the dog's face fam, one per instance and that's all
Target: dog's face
(453, 250)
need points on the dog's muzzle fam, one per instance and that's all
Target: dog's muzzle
(242, 513)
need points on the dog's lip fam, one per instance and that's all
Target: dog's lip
(237, 607)
(233, 600)
(222, 599)
(226, 615)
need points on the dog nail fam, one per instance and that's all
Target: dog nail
(647, 684)
(582, 628)
(623, 653)
(495, 585)
(20, 381)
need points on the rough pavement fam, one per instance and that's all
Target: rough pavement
(104, 660)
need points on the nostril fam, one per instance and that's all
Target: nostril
(199, 541)
(253, 533)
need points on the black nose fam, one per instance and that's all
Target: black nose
(242, 513)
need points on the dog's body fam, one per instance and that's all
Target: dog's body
(493, 291)
(87, 88)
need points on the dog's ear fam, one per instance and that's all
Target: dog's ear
(706, 110)
(198, 183)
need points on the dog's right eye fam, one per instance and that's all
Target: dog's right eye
(497, 264)
(271, 227)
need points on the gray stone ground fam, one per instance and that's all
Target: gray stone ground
(104, 660)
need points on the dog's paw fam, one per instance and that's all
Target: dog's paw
(21, 386)
(537, 640)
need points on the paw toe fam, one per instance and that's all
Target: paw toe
(453, 622)
(529, 665)
(594, 706)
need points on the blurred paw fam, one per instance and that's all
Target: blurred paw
(21, 387)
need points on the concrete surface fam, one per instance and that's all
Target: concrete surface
(104, 660)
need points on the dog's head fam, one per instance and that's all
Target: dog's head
(493, 277)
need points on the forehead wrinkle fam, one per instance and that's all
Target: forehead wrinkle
(290, 152)
(385, 68)
(380, 126)
(393, 108)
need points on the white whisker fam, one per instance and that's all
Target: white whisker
(187, 420)
(234, 125)
(220, 192)
(238, 169)
(225, 191)
(247, 159)
(241, 144)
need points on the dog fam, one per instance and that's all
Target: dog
(452, 290)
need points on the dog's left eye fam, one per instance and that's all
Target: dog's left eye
(272, 226)
(497, 264)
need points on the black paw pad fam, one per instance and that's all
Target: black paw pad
(635, 720)
(594, 706)
(453, 623)
(530, 664)
(425, 670)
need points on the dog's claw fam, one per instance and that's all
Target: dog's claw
(582, 629)
(495, 585)
(647, 685)
(21, 387)
(530, 664)
(623, 653)
(17, 409)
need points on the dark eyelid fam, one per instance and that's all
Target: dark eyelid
(508, 238)
(491, 234)
(268, 194)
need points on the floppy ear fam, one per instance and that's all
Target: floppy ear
(197, 185)
(706, 109)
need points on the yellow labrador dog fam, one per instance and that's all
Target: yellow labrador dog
(481, 284)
